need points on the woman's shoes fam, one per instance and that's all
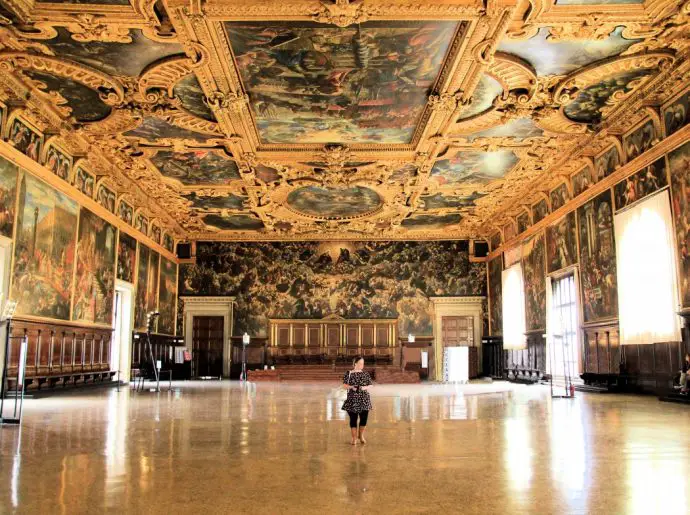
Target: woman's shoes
(361, 439)
(353, 442)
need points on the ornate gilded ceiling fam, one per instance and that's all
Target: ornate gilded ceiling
(337, 119)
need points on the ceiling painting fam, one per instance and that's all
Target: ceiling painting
(334, 202)
(195, 168)
(551, 56)
(342, 119)
(189, 91)
(588, 105)
(114, 58)
(314, 83)
(474, 167)
(85, 104)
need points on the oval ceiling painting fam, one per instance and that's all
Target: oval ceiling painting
(334, 202)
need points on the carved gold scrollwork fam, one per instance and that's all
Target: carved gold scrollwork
(88, 27)
(344, 13)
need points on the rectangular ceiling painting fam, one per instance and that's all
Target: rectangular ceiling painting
(316, 83)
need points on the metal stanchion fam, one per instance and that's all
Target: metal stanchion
(18, 392)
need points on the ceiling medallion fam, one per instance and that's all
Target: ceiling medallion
(332, 203)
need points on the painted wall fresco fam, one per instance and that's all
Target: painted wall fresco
(8, 196)
(561, 243)
(194, 168)
(559, 197)
(640, 184)
(84, 181)
(167, 297)
(640, 140)
(106, 198)
(483, 97)
(550, 56)
(431, 221)
(540, 211)
(128, 59)
(234, 222)
(679, 166)
(189, 91)
(85, 104)
(606, 163)
(334, 202)
(44, 250)
(598, 280)
(126, 257)
(153, 129)
(350, 279)
(58, 162)
(474, 166)
(95, 274)
(25, 139)
(125, 212)
(522, 222)
(589, 103)
(534, 277)
(677, 115)
(315, 83)
(140, 297)
(495, 295)
(231, 201)
(582, 180)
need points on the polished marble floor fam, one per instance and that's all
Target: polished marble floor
(222, 447)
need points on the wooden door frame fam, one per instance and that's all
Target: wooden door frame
(210, 306)
(456, 306)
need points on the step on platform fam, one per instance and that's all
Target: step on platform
(329, 374)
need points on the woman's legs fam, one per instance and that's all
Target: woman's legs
(363, 416)
(353, 426)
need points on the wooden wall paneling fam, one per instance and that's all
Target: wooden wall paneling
(603, 354)
(283, 336)
(367, 335)
(615, 350)
(646, 353)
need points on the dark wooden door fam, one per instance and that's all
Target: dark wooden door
(456, 331)
(207, 346)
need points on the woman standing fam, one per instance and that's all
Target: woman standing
(358, 402)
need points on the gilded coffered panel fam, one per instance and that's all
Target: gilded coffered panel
(343, 119)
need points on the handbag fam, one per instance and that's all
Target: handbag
(339, 392)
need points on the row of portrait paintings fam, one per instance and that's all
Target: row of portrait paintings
(66, 258)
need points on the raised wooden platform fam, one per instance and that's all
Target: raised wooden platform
(330, 374)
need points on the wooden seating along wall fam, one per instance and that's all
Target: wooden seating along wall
(332, 339)
(60, 354)
(163, 349)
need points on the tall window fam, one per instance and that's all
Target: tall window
(647, 280)
(564, 353)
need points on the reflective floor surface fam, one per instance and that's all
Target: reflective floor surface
(222, 447)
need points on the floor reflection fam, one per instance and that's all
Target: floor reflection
(284, 448)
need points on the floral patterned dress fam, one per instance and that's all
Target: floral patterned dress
(357, 400)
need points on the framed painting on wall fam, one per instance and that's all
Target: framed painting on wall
(84, 181)
(142, 284)
(598, 279)
(156, 233)
(534, 275)
(44, 250)
(559, 197)
(141, 223)
(58, 162)
(8, 196)
(522, 222)
(167, 296)
(637, 186)
(540, 211)
(125, 212)
(495, 241)
(561, 243)
(126, 258)
(606, 163)
(582, 180)
(679, 167)
(168, 242)
(106, 198)
(677, 114)
(495, 271)
(24, 138)
(639, 140)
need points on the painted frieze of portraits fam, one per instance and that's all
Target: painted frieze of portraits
(168, 242)
(44, 250)
(495, 287)
(166, 297)
(606, 163)
(95, 274)
(156, 233)
(677, 114)
(126, 257)
(84, 181)
(640, 184)
(582, 180)
(495, 240)
(58, 162)
(640, 140)
(559, 196)
(125, 212)
(106, 198)
(598, 258)
(25, 139)
(534, 275)
(8, 196)
(141, 223)
(679, 166)
(540, 210)
(522, 222)
(561, 243)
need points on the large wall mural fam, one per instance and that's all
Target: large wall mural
(495, 295)
(353, 280)
(95, 274)
(679, 165)
(534, 275)
(167, 297)
(142, 285)
(8, 196)
(598, 280)
(126, 258)
(641, 184)
(44, 250)
(561, 243)
(314, 83)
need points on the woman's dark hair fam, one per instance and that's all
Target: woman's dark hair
(356, 359)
